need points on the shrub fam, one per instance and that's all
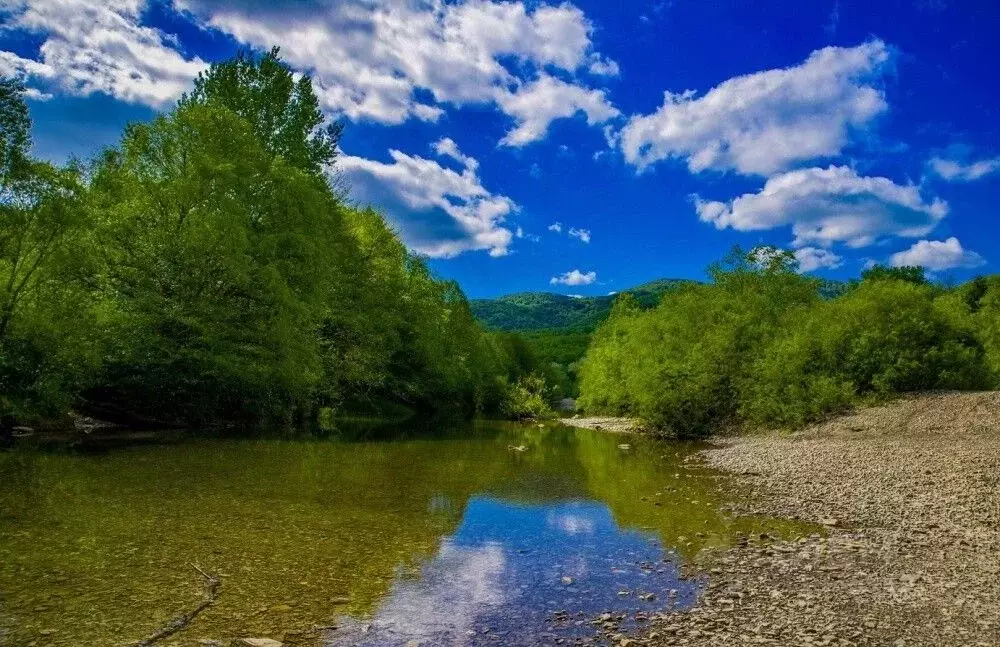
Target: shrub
(759, 345)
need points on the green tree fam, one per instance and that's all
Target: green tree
(909, 273)
(283, 112)
(44, 352)
(217, 259)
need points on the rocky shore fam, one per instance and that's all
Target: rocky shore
(909, 494)
(605, 423)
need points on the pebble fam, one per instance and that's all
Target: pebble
(907, 498)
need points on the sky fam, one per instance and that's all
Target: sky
(586, 147)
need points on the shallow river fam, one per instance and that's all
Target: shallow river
(490, 534)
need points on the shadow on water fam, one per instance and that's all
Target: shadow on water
(392, 534)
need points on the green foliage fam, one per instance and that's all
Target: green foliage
(15, 127)
(528, 397)
(46, 350)
(215, 259)
(886, 337)
(980, 301)
(205, 272)
(908, 274)
(283, 112)
(761, 345)
(558, 327)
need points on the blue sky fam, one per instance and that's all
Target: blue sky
(586, 147)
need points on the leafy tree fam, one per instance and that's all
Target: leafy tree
(44, 346)
(15, 128)
(215, 257)
(283, 112)
(909, 273)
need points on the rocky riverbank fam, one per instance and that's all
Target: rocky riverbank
(605, 423)
(910, 495)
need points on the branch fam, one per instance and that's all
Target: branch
(178, 622)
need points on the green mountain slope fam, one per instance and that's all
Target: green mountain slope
(541, 310)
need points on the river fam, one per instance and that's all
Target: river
(479, 534)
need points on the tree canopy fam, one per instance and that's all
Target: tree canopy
(204, 271)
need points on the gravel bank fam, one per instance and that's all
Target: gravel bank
(910, 493)
(613, 425)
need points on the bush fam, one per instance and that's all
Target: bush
(885, 337)
(760, 345)
(527, 398)
(681, 366)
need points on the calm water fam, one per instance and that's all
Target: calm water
(455, 540)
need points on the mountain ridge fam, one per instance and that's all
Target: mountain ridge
(525, 311)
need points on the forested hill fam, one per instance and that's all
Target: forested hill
(538, 310)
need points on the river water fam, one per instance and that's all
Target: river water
(485, 534)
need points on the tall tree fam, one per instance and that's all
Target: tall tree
(15, 127)
(283, 112)
(43, 312)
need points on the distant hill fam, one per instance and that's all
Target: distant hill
(542, 310)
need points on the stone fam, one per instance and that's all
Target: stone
(260, 642)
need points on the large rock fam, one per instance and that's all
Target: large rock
(259, 642)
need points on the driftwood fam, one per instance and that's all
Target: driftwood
(180, 621)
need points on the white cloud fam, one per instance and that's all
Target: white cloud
(556, 227)
(520, 233)
(447, 147)
(456, 588)
(440, 212)
(389, 61)
(574, 277)
(538, 104)
(937, 255)
(603, 66)
(825, 206)
(764, 122)
(813, 258)
(582, 234)
(93, 46)
(958, 172)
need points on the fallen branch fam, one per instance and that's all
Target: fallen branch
(182, 620)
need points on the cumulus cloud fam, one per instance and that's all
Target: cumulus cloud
(440, 212)
(536, 105)
(90, 47)
(813, 258)
(954, 171)
(574, 277)
(556, 227)
(582, 234)
(937, 255)
(764, 122)
(389, 61)
(826, 206)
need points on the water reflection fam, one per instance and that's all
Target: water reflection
(520, 575)
(424, 536)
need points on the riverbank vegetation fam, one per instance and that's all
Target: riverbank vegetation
(764, 345)
(206, 271)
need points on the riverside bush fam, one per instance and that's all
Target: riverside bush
(760, 345)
